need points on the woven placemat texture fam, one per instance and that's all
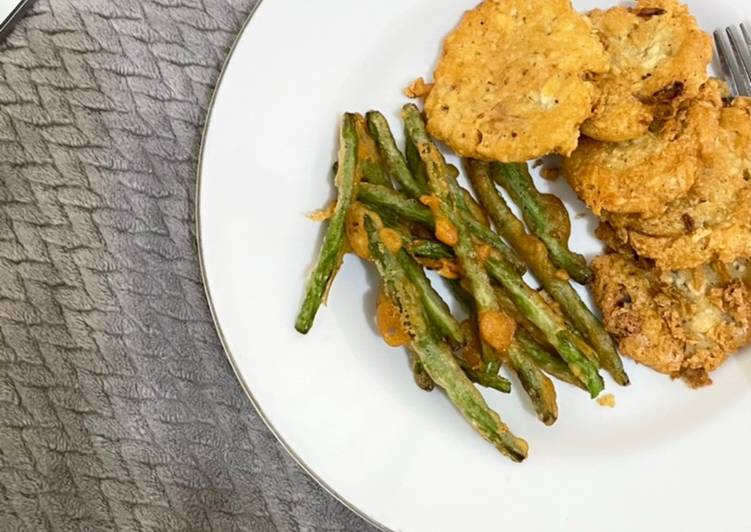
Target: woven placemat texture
(118, 409)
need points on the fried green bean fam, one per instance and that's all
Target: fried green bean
(394, 161)
(379, 197)
(436, 356)
(533, 251)
(437, 309)
(332, 249)
(545, 216)
(538, 386)
(533, 306)
(448, 198)
(370, 167)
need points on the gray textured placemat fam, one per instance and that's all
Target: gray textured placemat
(118, 410)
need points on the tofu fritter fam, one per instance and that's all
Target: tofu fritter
(512, 84)
(684, 322)
(642, 176)
(659, 59)
(712, 221)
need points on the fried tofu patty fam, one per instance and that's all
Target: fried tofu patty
(512, 84)
(642, 176)
(659, 58)
(684, 323)
(713, 220)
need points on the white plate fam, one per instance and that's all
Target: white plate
(341, 401)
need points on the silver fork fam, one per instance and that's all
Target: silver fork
(734, 49)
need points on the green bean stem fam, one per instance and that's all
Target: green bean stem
(369, 164)
(422, 379)
(549, 362)
(538, 386)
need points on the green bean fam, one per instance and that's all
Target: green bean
(436, 356)
(332, 249)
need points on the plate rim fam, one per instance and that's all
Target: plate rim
(202, 240)
(212, 310)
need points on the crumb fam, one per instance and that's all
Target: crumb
(418, 89)
(580, 215)
(696, 378)
(538, 163)
(562, 275)
(551, 174)
(607, 400)
(321, 215)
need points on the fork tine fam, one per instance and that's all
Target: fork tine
(737, 78)
(742, 51)
(723, 54)
(746, 30)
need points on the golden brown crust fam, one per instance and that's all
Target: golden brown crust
(511, 84)
(618, 115)
(644, 175)
(713, 220)
(659, 59)
(682, 323)
(418, 89)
